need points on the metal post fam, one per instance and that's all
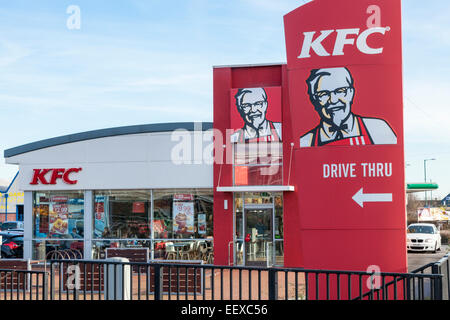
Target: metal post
(6, 207)
(52, 281)
(435, 270)
(273, 284)
(45, 291)
(158, 282)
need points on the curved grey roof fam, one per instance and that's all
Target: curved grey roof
(110, 132)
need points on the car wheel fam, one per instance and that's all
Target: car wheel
(435, 247)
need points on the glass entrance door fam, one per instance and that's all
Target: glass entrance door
(258, 236)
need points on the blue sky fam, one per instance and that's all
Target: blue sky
(148, 61)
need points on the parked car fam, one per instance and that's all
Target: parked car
(423, 237)
(12, 246)
(11, 225)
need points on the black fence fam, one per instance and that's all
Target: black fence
(23, 285)
(116, 280)
(423, 289)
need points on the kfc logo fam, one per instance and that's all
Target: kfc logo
(41, 176)
(332, 93)
(343, 38)
(252, 105)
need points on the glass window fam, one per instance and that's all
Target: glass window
(60, 247)
(279, 253)
(420, 229)
(258, 198)
(122, 214)
(182, 214)
(263, 153)
(279, 231)
(258, 164)
(58, 215)
(99, 247)
(238, 207)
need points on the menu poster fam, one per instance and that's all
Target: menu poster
(99, 210)
(59, 215)
(201, 223)
(43, 218)
(183, 217)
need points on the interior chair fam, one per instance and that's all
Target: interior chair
(170, 251)
(188, 251)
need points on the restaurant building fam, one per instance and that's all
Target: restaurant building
(119, 188)
(152, 186)
(302, 166)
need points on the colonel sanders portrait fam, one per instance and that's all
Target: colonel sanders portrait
(252, 106)
(332, 93)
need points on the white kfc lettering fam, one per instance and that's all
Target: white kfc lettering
(316, 45)
(342, 39)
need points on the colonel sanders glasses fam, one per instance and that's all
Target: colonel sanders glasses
(247, 107)
(324, 96)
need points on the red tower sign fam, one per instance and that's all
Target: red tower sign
(345, 118)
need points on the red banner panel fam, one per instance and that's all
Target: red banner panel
(345, 120)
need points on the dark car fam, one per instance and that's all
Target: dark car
(12, 246)
(11, 225)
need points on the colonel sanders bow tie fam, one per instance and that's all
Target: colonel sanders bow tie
(338, 129)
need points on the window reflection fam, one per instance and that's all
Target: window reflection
(182, 214)
(58, 215)
(122, 214)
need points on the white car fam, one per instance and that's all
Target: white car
(423, 237)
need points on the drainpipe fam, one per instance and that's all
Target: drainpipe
(6, 206)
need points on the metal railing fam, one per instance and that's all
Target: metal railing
(112, 280)
(174, 281)
(441, 267)
(23, 285)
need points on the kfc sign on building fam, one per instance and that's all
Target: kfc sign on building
(51, 176)
(342, 38)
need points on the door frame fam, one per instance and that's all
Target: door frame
(243, 227)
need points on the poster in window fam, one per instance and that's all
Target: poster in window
(139, 207)
(159, 229)
(59, 215)
(99, 210)
(43, 218)
(202, 223)
(183, 217)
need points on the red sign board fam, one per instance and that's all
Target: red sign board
(345, 118)
(139, 207)
(183, 197)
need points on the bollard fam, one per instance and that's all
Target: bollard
(117, 279)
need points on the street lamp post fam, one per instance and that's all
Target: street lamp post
(425, 175)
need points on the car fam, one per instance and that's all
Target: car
(11, 225)
(423, 237)
(12, 246)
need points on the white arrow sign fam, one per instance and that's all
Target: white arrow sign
(360, 197)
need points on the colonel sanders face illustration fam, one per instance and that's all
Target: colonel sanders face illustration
(331, 92)
(252, 106)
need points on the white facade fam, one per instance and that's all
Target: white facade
(137, 161)
(170, 159)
